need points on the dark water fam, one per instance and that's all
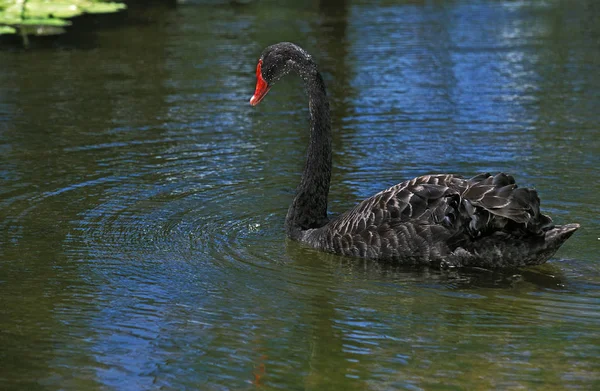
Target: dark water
(142, 199)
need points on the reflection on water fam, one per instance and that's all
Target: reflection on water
(142, 200)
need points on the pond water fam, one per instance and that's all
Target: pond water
(142, 199)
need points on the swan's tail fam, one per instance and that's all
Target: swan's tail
(556, 236)
(502, 251)
(553, 239)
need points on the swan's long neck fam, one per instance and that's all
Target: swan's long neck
(309, 209)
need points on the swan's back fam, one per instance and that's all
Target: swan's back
(446, 220)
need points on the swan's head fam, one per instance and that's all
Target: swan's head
(277, 61)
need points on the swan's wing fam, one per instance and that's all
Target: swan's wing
(429, 216)
(406, 221)
(428, 198)
(493, 202)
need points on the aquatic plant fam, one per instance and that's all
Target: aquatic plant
(47, 17)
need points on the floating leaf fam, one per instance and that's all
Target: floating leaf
(7, 30)
(101, 8)
(45, 22)
(43, 17)
(52, 10)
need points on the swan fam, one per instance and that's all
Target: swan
(442, 221)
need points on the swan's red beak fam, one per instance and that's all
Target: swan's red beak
(261, 86)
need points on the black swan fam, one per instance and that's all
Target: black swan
(439, 220)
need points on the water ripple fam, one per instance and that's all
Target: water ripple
(141, 210)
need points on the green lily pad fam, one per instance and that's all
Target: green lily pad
(55, 10)
(44, 22)
(102, 8)
(48, 16)
(68, 8)
(7, 30)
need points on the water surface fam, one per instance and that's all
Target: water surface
(142, 199)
